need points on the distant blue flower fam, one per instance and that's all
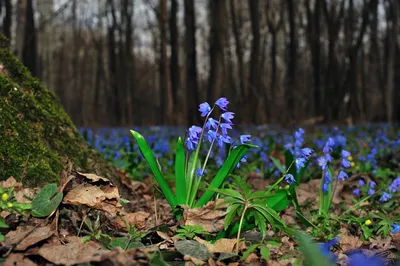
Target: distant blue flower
(204, 109)
(385, 197)
(244, 138)
(342, 176)
(222, 103)
(395, 185)
(371, 184)
(371, 191)
(199, 173)
(227, 116)
(322, 163)
(300, 162)
(396, 228)
(290, 179)
(361, 182)
(306, 152)
(359, 258)
(356, 192)
(328, 146)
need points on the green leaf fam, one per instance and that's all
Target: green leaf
(3, 224)
(180, 177)
(229, 192)
(265, 252)
(1, 237)
(46, 201)
(261, 223)
(278, 201)
(86, 239)
(278, 164)
(258, 194)
(251, 249)
(148, 155)
(229, 165)
(125, 243)
(272, 217)
(311, 251)
(230, 214)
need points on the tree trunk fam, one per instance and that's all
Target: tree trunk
(174, 66)
(166, 101)
(191, 84)
(7, 17)
(217, 31)
(290, 90)
(36, 134)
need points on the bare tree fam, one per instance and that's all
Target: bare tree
(6, 7)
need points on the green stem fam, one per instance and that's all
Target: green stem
(240, 228)
(280, 179)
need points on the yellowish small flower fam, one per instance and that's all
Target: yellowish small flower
(287, 187)
(352, 164)
(10, 205)
(350, 158)
(368, 222)
(4, 197)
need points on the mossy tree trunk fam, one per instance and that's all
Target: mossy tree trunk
(36, 134)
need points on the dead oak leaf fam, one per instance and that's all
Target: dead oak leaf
(220, 246)
(92, 196)
(73, 253)
(10, 182)
(211, 217)
(26, 236)
(349, 242)
(93, 177)
(136, 219)
(18, 259)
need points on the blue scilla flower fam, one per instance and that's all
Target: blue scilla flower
(212, 123)
(361, 182)
(290, 179)
(356, 192)
(396, 228)
(205, 109)
(325, 249)
(327, 181)
(395, 185)
(200, 173)
(228, 116)
(345, 162)
(359, 258)
(385, 197)
(342, 175)
(224, 128)
(244, 138)
(222, 103)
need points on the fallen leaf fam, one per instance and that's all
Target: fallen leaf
(93, 177)
(26, 236)
(221, 245)
(211, 217)
(73, 253)
(18, 259)
(189, 260)
(348, 242)
(10, 182)
(92, 196)
(137, 219)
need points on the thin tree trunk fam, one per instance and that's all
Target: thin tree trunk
(291, 89)
(191, 62)
(174, 66)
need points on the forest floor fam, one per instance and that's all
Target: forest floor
(354, 219)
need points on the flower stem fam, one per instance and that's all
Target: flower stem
(240, 227)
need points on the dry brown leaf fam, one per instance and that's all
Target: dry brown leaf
(18, 259)
(137, 219)
(193, 261)
(348, 242)
(10, 182)
(381, 244)
(119, 256)
(306, 192)
(252, 258)
(93, 177)
(211, 217)
(221, 245)
(93, 196)
(73, 253)
(26, 236)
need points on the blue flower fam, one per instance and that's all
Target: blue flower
(224, 128)
(227, 116)
(356, 192)
(385, 197)
(212, 123)
(396, 228)
(359, 258)
(244, 138)
(361, 182)
(395, 185)
(342, 176)
(371, 191)
(306, 152)
(199, 173)
(204, 109)
(211, 135)
(325, 249)
(290, 179)
(322, 163)
(372, 184)
(222, 103)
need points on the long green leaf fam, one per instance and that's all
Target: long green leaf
(278, 164)
(229, 165)
(278, 201)
(148, 155)
(180, 178)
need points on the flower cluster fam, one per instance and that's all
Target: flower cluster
(393, 188)
(301, 155)
(214, 131)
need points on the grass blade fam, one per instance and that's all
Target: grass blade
(148, 155)
(180, 175)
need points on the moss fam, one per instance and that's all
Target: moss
(36, 134)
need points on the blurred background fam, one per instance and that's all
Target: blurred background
(151, 62)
